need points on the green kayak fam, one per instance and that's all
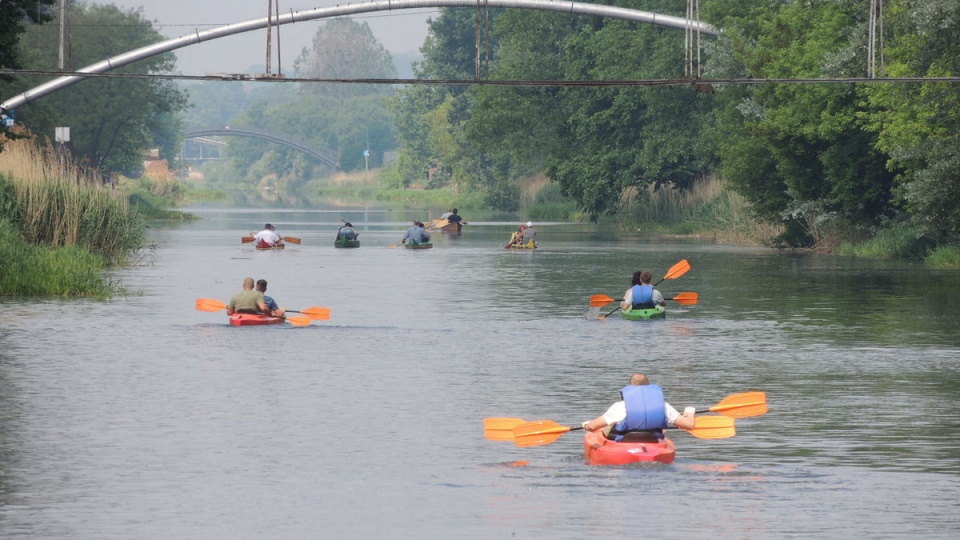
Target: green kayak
(345, 243)
(644, 314)
(414, 245)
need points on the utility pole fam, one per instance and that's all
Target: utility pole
(63, 19)
(269, 39)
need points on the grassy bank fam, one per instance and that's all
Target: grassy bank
(59, 225)
(709, 210)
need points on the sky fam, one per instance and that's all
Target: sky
(401, 31)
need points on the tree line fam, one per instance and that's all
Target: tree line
(818, 158)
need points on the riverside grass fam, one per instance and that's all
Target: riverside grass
(58, 226)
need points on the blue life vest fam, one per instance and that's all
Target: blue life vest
(643, 297)
(646, 409)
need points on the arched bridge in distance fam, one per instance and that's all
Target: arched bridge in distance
(324, 156)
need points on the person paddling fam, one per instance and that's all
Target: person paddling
(268, 237)
(640, 413)
(642, 295)
(416, 234)
(347, 232)
(272, 308)
(247, 300)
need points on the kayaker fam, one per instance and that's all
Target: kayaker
(454, 217)
(347, 232)
(529, 234)
(642, 295)
(640, 412)
(268, 237)
(247, 300)
(416, 234)
(272, 308)
(446, 214)
(517, 236)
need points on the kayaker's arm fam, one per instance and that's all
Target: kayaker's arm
(686, 420)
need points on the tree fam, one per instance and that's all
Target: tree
(112, 120)
(13, 13)
(919, 125)
(815, 166)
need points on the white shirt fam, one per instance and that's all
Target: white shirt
(267, 236)
(618, 413)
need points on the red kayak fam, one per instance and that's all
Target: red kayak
(250, 319)
(600, 450)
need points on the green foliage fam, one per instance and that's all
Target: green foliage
(112, 120)
(35, 271)
(944, 257)
(897, 242)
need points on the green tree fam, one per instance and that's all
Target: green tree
(13, 15)
(449, 53)
(814, 166)
(112, 120)
(919, 125)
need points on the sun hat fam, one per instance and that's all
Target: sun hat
(529, 224)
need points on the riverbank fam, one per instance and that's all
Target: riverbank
(59, 227)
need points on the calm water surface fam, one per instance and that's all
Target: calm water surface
(144, 418)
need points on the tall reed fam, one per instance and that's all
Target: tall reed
(708, 207)
(63, 204)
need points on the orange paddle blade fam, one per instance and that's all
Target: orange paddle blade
(538, 433)
(742, 405)
(600, 300)
(677, 270)
(291, 240)
(500, 429)
(210, 304)
(686, 298)
(246, 239)
(298, 320)
(316, 313)
(713, 427)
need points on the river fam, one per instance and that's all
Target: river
(141, 417)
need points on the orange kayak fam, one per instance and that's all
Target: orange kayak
(249, 319)
(600, 450)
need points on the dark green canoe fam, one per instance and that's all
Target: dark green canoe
(345, 243)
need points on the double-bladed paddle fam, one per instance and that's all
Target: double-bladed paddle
(684, 298)
(289, 239)
(742, 405)
(311, 313)
(544, 432)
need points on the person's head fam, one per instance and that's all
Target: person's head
(529, 224)
(420, 224)
(639, 379)
(262, 285)
(348, 224)
(268, 227)
(641, 277)
(248, 283)
(455, 210)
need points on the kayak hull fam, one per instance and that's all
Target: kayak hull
(345, 243)
(602, 451)
(643, 314)
(425, 245)
(453, 228)
(529, 245)
(249, 319)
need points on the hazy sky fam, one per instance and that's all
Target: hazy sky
(401, 31)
